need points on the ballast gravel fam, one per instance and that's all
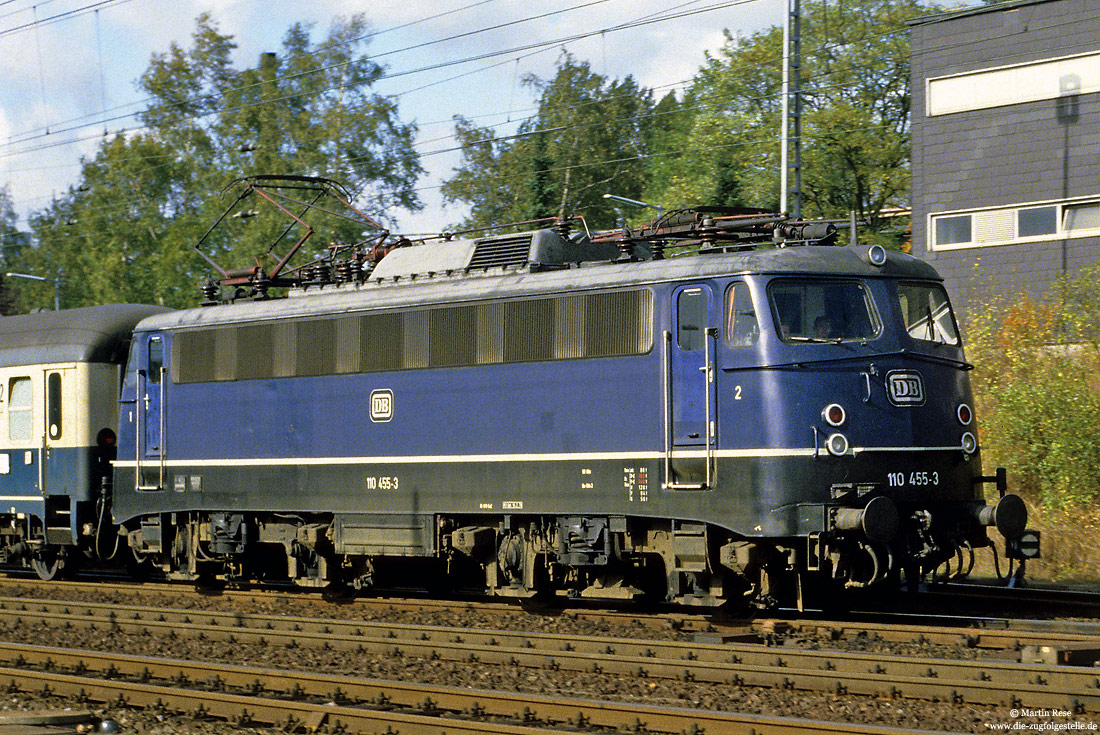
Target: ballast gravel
(912, 714)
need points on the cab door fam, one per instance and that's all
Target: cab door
(149, 432)
(151, 395)
(690, 351)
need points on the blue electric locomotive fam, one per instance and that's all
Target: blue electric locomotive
(574, 414)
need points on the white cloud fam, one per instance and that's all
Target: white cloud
(91, 62)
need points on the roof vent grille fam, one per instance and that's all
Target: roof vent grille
(506, 250)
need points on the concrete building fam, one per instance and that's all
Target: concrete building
(1006, 146)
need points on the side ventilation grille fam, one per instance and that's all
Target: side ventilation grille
(508, 250)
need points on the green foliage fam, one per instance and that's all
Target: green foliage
(855, 118)
(127, 231)
(586, 140)
(1037, 389)
(12, 244)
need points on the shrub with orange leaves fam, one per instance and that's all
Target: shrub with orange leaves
(1037, 391)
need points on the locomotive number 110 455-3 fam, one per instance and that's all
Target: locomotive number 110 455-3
(913, 479)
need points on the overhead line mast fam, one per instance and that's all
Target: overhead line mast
(790, 155)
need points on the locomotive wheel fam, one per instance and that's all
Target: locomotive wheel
(138, 568)
(48, 564)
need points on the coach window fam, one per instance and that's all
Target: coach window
(742, 329)
(53, 405)
(691, 319)
(19, 409)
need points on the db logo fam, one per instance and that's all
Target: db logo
(381, 405)
(905, 387)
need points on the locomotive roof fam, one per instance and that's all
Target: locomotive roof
(426, 284)
(88, 334)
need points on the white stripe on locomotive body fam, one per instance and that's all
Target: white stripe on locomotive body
(500, 458)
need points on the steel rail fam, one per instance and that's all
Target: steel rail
(677, 620)
(363, 705)
(1040, 686)
(946, 628)
(1008, 635)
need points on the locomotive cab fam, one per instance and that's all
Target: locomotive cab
(844, 436)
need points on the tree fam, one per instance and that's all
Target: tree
(586, 139)
(12, 244)
(855, 124)
(126, 232)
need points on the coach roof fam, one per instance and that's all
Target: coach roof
(88, 334)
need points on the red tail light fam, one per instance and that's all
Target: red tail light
(834, 414)
(105, 438)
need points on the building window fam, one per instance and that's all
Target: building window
(1014, 224)
(953, 230)
(1012, 85)
(1037, 221)
(1084, 216)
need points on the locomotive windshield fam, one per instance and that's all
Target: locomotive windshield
(927, 313)
(823, 311)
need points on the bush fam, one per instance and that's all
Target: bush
(1037, 392)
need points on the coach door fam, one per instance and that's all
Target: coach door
(150, 411)
(55, 434)
(690, 413)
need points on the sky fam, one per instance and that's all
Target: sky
(68, 68)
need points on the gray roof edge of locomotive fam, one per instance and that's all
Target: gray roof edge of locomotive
(500, 284)
(85, 334)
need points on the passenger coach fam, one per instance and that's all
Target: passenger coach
(59, 378)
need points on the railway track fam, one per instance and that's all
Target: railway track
(948, 611)
(983, 682)
(984, 633)
(1025, 601)
(292, 699)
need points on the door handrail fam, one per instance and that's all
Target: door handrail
(141, 406)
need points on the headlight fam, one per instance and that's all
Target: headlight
(837, 444)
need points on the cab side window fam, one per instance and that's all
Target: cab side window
(19, 409)
(742, 329)
(691, 319)
(156, 359)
